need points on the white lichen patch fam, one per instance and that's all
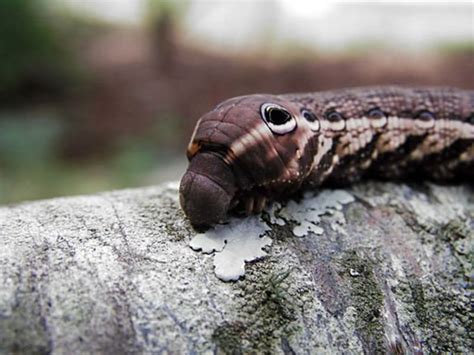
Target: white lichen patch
(243, 239)
(305, 227)
(272, 211)
(440, 210)
(234, 244)
(307, 214)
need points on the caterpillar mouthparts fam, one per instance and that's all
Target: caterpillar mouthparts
(207, 190)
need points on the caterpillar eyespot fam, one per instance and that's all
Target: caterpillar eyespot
(333, 116)
(470, 119)
(278, 119)
(425, 119)
(336, 120)
(425, 115)
(376, 113)
(311, 118)
(267, 147)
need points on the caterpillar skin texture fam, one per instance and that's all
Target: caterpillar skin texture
(256, 148)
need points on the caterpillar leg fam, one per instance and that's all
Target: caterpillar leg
(249, 203)
(253, 204)
(259, 204)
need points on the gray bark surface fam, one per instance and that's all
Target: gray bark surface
(114, 273)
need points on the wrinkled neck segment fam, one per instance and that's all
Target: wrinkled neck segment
(207, 189)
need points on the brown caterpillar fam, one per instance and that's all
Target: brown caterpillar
(256, 148)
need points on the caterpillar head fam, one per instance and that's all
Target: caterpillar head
(250, 145)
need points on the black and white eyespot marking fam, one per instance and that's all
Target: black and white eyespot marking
(425, 115)
(334, 116)
(425, 119)
(308, 115)
(311, 118)
(376, 113)
(277, 118)
(470, 119)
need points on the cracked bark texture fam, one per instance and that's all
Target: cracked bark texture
(113, 273)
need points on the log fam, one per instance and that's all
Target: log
(378, 267)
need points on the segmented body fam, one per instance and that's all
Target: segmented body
(274, 145)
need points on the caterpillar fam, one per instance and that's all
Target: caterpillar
(256, 148)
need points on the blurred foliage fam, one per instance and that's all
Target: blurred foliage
(32, 54)
(31, 169)
(455, 48)
(26, 142)
(38, 61)
(157, 9)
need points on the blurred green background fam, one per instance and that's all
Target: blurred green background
(98, 95)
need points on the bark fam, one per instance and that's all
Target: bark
(113, 273)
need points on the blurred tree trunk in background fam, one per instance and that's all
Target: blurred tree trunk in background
(164, 43)
(163, 17)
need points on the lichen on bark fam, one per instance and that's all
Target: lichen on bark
(390, 271)
(366, 298)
